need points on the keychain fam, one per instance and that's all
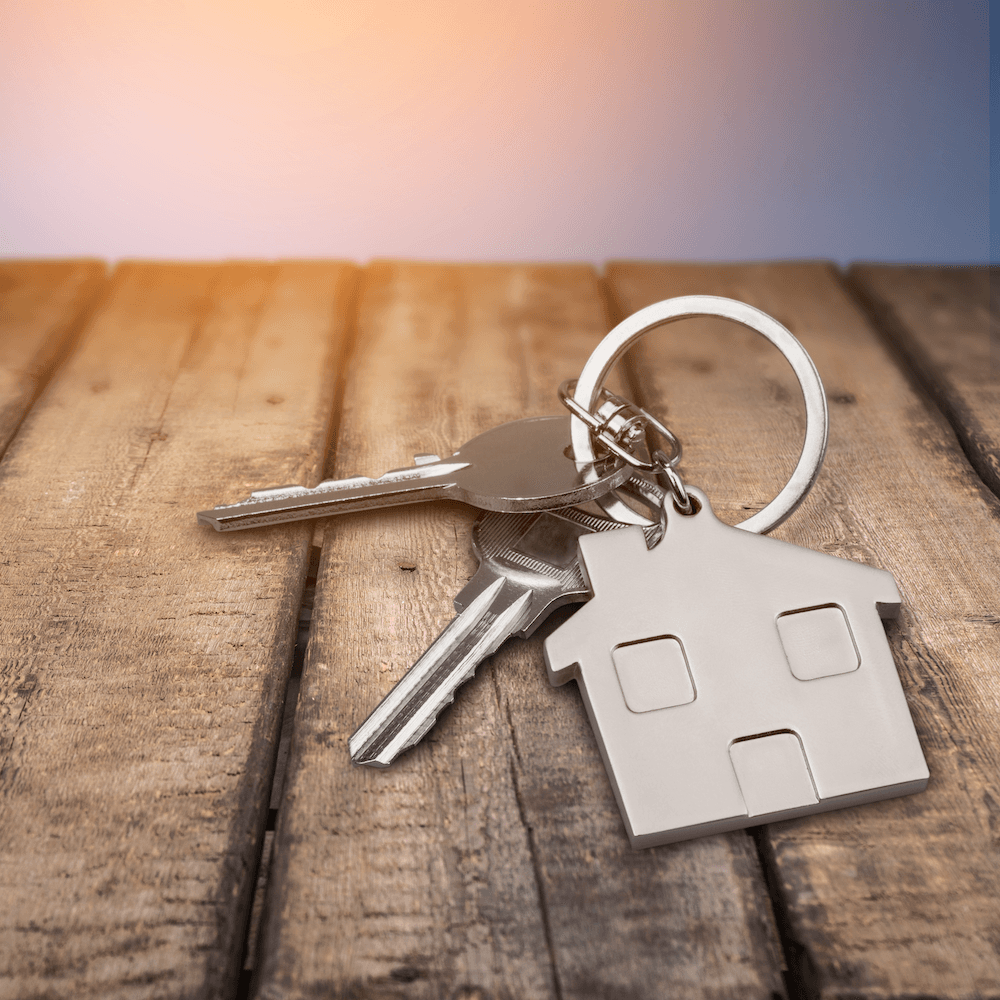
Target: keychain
(731, 679)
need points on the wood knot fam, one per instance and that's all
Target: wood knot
(404, 974)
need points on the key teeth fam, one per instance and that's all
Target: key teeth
(433, 681)
(272, 493)
(373, 761)
(384, 759)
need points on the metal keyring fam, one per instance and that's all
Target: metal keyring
(626, 333)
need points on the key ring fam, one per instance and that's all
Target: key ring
(626, 333)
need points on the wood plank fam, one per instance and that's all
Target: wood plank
(143, 658)
(489, 861)
(899, 898)
(941, 320)
(42, 305)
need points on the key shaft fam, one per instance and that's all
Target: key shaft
(344, 496)
(516, 467)
(528, 567)
(429, 686)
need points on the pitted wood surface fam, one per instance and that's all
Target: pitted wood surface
(896, 899)
(42, 304)
(490, 861)
(942, 320)
(143, 657)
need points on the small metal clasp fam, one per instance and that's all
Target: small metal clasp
(620, 426)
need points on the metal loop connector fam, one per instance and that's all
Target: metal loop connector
(620, 426)
(614, 345)
(675, 489)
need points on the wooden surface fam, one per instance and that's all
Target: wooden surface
(144, 660)
(946, 328)
(42, 306)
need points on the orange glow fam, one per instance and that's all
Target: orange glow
(447, 129)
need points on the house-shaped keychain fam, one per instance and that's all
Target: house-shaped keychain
(734, 679)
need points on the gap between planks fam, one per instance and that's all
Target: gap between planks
(44, 307)
(256, 913)
(943, 327)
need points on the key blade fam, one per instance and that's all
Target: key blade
(427, 481)
(528, 567)
(412, 707)
(516, 467)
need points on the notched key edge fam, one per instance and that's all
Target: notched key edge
(403, 717)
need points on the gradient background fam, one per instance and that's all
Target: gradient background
(567, 129)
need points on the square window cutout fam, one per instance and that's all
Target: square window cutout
(773, 773)
(818, 642)
(653, 674)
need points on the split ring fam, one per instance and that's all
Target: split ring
(626, 333)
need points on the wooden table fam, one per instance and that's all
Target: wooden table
(178, 814)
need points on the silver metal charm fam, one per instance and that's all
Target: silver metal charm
(734, 679)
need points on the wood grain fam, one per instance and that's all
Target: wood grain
(143, 657)
(489, 862)
(896, 899)
(942, 321)
(42, 304)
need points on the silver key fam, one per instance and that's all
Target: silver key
(528, 568)
(518, 466)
